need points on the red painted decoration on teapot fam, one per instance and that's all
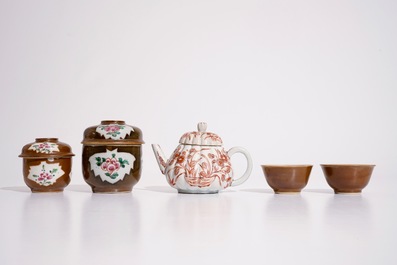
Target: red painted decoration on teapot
(200, 164)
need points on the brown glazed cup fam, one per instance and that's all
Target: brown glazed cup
(287, 178)
(47, 165)
(345, 178)
(112, 156)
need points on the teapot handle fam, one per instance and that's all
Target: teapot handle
(247, 172)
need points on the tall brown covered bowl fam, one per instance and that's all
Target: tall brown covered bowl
(112, 156)
(47, 165)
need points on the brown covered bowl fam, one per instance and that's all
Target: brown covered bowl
(112, 153)
(344, 178)
(287, 178)
(47, 165)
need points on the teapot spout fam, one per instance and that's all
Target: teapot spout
(161, 158)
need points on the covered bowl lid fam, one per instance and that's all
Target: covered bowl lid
(46, 148)
(112, 132)
(201, 137)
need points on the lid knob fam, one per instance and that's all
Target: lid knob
(201, 137)
(202, 126)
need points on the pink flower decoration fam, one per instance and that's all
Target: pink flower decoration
(44, 145)
(110, 165)
(111, 168)
(112, 128)
(45, 176)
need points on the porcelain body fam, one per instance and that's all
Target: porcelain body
(200, 164)
(287, 178)
(112, 157)
(347, 178)
(47, 165)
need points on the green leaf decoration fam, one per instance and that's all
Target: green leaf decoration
(35, 176)
(98, 159)
(54, 170)
(113, 155)
(103, 159)
(107, 174)
(115, 175)
(98, 164)
(123, 162)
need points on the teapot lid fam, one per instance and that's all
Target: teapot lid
(202, 137)
(112, 132)
(46, 148)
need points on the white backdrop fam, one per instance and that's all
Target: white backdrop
(291, 81)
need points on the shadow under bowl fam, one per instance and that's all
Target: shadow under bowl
(347, 178)
(287, 178)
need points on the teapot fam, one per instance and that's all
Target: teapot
(200, 164)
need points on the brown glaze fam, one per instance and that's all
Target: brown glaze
(99, 186)
(347, 178)
(91, 137)
(59, 185)
(64, 149)
(287, 178)
(62, 157)
(96, 145)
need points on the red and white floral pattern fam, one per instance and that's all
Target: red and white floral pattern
(199, 167)
(200, 164)
(200, 138)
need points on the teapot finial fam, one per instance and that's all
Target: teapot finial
(202, 126)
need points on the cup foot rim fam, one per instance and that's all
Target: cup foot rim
(111, 191)
(197, 192)
(347, 191)
(47, 191)
(287, 191)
